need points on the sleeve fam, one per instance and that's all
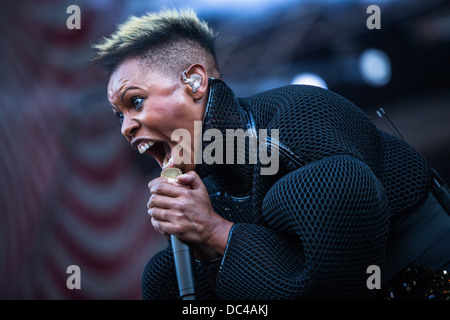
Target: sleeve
(159, 280)
(326, 223)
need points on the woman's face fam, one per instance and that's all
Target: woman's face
(150, 106)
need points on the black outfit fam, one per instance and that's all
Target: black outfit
(342, 190)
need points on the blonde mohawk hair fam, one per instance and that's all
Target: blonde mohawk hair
(170, 39)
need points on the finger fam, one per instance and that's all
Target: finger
(156, 181)
(158, 226)
(163, 227)
(163, 180)
(158, 214)
(167, 189)
(174, 217)
(160, 201)
(192, 179)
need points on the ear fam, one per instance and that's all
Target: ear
(196, 80)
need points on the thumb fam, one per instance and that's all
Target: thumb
(190, 178)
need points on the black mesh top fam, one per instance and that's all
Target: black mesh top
(312, 229)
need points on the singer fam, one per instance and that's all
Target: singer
(346, 195)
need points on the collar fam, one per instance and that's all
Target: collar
(224, 115)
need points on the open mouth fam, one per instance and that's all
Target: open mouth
(159, 150)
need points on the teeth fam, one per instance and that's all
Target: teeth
(167, 162)
(144, 147)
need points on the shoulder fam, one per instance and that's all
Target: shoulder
(306, 105)
(296, 100)
(296, 93)
(314, 122)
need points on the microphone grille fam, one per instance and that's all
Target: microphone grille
(171, 173)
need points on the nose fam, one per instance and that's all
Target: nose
(129, 127)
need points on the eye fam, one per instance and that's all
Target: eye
(120, 116)
(137, 102)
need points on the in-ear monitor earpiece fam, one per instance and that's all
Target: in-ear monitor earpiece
(195, 81)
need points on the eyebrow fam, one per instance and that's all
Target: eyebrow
(124, 91)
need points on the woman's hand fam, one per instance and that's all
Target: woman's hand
(183, 208)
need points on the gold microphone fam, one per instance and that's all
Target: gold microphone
(171, 173)
(182, 254)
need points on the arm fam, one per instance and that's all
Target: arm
(327, 222)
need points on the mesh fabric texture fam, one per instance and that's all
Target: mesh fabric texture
(312, 229)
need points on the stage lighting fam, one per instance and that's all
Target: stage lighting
(375, 67)
(310, 79)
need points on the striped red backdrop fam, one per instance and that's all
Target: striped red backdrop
(72, 191)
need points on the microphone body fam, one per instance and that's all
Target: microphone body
(184, 267)
(182, 254)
